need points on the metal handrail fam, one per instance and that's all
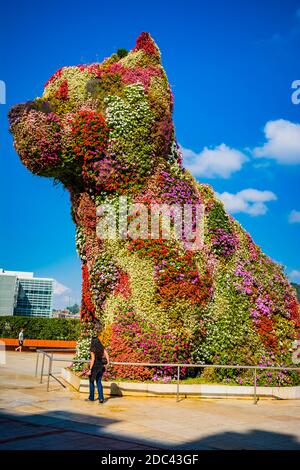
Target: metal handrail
(49, 354)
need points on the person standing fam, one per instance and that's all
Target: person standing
(97, 368)
(21, 340)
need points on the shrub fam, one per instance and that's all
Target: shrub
(122, 52)
(40, 328)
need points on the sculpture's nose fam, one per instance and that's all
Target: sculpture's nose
(17, 112)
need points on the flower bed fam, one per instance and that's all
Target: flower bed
(135, 388)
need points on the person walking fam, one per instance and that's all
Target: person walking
(21, 340)
(98, 352)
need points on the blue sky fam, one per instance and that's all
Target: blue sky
(231, 66)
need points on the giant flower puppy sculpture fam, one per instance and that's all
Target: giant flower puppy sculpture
(105, 131)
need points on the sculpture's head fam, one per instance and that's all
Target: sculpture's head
(100, 126)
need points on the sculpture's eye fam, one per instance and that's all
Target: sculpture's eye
(92, 86)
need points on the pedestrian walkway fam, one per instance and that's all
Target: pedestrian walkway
(32, 418)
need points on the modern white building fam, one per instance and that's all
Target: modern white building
(8, 293)
(23, 294)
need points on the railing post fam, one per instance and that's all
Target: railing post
(42, 369)
(49, 371)
(255, 395)
(178, 377)
(37, 363)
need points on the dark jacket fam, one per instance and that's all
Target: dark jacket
(98, 349)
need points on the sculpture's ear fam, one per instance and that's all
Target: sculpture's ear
(145, 43)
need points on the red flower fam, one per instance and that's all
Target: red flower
(146, 43)
(123, 286)
(90, 134)
(265, 329)
(63, 91)
(87, 306)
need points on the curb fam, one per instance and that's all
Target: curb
(145, 389)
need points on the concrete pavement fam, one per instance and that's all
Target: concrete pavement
(32, 418)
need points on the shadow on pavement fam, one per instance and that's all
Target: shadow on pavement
(74, 431)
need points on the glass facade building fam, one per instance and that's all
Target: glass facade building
(34, 297)
(29, 296)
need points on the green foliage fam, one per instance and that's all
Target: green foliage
(122, 52)
(218, 218)
(40, 328)
(74, 309)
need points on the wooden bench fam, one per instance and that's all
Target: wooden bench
(39, 343)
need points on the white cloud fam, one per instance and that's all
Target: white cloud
(59, 289)
(220, 161)
(61, 295)
(294, 217)
(294, 276)
(248, 201)
(283, 142)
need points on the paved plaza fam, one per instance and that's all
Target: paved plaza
(32, 418)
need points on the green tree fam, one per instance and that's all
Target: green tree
(74, 309)
(297, 289)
